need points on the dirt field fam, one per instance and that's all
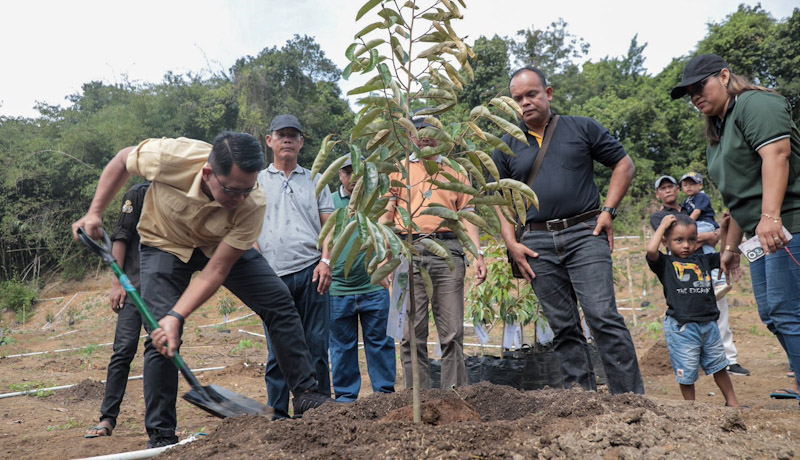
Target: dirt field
(480, 421)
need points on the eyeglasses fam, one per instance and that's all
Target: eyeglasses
(697, 88)
(234, 191)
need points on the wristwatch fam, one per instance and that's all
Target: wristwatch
(325, 261)
(612, 211)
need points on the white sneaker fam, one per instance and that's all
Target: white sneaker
(721, 289)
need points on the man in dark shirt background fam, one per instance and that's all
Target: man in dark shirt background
(565, 250)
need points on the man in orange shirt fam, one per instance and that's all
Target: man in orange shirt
(448, 285)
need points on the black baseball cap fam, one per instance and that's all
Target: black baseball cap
(698, 68)
(285, 121)
(349, 161)
(663, 178)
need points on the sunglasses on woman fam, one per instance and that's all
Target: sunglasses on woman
(697, 88)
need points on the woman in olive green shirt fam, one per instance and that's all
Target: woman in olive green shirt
(754, 158)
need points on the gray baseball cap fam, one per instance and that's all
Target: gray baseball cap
(285, 121)
(663, 178)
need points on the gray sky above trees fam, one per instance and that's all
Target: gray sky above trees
(51, 47)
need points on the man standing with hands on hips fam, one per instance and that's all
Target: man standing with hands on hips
(565, 251)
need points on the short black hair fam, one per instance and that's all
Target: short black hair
(680, 219)
(531, 69)
(241, 149)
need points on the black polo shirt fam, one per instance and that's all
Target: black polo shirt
(657, 217)
(126, 231)
(565, 185)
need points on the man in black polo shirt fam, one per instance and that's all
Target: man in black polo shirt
(565, 251)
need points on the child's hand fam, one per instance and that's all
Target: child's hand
(726, 220)
(668, 220)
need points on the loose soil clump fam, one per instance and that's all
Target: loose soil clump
(512, 424)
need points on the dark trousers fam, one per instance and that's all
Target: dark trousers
(574, 268)
(252, 280)
(313, 310)
(126, 341)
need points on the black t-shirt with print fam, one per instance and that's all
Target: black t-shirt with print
(688, 286)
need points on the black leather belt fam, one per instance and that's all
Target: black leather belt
(556, 225)
(438, 236)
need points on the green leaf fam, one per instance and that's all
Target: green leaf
(366, 88)
(369, 46)
(379, 138)
(466, 241)
(440, 211)
(364, 120)
(434, 133)
(489, 200)
(348, 70)
(339, 244)
(475, 219)
(329, 224)
(395, 245)
(373, 60)
(370, 178)
(522, 188)
(501, 104)
(365, 9)
(472, 170)
(408, 126)
(322, 156)
(351, 258)
(368, 29)
(385, 74)
(510, 128)
(513, 104)
(350, 52)
(487, 161)
(427, 281)
(439, 249)
(329, 174)
(498, 143)
(456, 187)
(384, 270)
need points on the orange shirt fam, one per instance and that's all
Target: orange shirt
(177, 216)
(420, 185)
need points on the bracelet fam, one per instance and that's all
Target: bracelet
(175, 314)
(480, 252)
(325, 261)
(734, 250)
(777, 220)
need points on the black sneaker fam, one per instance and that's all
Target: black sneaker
(736, 369)
(308, 400)
(161, 441)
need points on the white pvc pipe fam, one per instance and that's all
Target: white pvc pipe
(140, 454)
(226, 322)
(362, 343)
(61, 350)
(64, 387)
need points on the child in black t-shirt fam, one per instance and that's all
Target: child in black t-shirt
(690, 323)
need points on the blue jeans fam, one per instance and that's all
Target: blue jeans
(703, 227)
(372, 309)
(313, 310)
(694, 345)
(776, 286)
(574, 267)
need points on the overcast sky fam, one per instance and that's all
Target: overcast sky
(50, 48)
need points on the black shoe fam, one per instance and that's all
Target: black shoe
(736, 369)
(161, 441)
(308, 400)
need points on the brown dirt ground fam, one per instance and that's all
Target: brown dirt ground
(479, 421)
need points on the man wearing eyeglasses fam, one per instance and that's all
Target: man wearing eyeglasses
(288, 240)
(203, 212)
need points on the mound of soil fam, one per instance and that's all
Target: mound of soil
(656, 360)
(87, 390)
(513, 424)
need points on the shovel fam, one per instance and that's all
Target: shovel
(215, 400)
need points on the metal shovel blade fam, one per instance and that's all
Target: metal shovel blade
(221, 402)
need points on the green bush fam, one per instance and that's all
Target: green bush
(16, 296)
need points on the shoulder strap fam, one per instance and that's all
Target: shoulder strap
(537, 165)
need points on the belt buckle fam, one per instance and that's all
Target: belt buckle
(556, 225)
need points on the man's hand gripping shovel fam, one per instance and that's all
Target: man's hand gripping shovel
(213, 399)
